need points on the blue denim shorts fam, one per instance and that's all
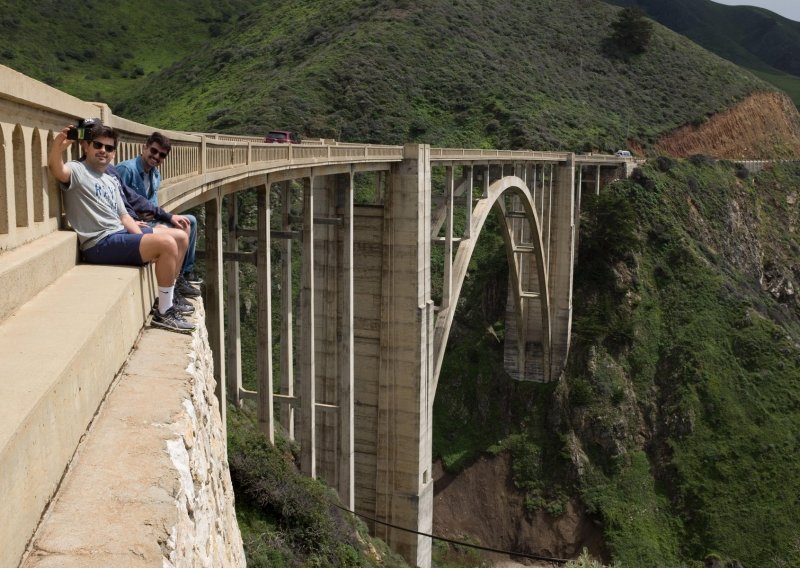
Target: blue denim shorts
(121, 247)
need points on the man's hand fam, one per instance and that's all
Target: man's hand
(55, 160)
(130, 225)
(180, 222)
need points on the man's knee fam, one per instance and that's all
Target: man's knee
(157, 244)
(181, 237)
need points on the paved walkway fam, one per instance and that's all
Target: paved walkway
(133, 492)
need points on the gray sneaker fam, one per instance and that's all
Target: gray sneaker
(172, 321)
(179, 303)
(192, 278)
(182, 305)
(185, 289)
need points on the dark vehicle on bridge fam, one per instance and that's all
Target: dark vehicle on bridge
(282, 137)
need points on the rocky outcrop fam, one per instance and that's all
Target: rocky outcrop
(765, 125)
(205, 532)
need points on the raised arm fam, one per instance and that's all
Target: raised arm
(55, 160)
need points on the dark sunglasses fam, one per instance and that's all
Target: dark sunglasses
(155, 152)
(97, 145)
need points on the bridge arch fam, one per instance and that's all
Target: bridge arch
(520, 196)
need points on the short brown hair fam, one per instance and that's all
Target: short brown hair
(159, 139)
(103, 131)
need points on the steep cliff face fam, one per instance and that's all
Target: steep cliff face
(682, 398)
(765, 125)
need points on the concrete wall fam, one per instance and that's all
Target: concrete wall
(149, 485)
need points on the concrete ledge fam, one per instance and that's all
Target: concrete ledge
(149, 485)
(27, 270)
(59, 353)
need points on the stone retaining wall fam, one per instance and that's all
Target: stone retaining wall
(149, 485)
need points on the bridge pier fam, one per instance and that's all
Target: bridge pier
(404, 484)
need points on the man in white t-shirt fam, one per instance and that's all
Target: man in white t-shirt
(106, 232)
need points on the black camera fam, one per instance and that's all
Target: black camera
(84, 129)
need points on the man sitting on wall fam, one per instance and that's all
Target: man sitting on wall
(106, 232)
(139, 209)
(142, 174)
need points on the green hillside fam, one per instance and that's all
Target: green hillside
(755, 38)
(98, 51)
(677, 420)
(534, 74)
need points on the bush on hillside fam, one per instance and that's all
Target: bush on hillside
(632, 30)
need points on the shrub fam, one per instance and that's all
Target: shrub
(632, 30)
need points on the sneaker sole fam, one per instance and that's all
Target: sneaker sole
(162, 325)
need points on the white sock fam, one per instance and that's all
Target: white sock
(165, 295)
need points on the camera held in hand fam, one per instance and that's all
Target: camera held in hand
(84, 129)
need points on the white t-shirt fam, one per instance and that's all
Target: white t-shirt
(93, 204)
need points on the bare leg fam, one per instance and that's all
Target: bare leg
(161, 248)
(181, 240)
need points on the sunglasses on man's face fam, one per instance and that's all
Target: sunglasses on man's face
(158, 153)
(97, 145)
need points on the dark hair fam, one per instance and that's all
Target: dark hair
(159, 139)
(104, 131)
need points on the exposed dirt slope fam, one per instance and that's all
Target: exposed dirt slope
(765, 125)
(482, 504)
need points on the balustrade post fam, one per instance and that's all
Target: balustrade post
(264, 288)
(203, 164)
(214, 300)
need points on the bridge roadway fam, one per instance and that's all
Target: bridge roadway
(359, 368)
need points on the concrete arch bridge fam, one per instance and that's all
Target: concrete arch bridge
(361, 352)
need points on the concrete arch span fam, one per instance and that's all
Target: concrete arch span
(511, 199)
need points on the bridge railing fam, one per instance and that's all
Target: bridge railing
(31, 113)
(461, 154)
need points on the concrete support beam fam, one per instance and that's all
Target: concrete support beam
(447, 284)
(561, 262)
(308, 399)
(266, 421)
(214, 301)
(597, 181)
(328, 299)
(470, 181)
(346, 354)
(287, 319)
(404, 485)
(233, 339)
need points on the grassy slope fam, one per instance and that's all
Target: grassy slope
(504, 74)
(752, 37)
(389, 72)
(288, 519)
(98, 51)
(707, 463)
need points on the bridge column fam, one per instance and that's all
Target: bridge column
(287, 333)
(307, 378)
(233, 340)
(597, 181)
(347, 354)
(214, 298)
(404, 486)
(561, 261)
(266, 421)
